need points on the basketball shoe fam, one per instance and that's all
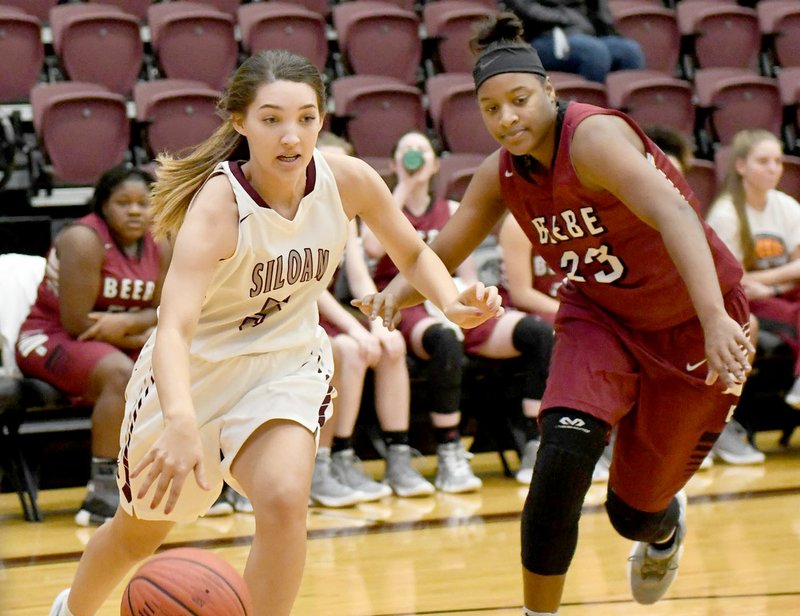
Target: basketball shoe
(59, 607)
(102, 494)
(348, 470)
(326, 489)
(527, 462)
(453, 473)
(650, 570)
(402, 477)
(733, 447)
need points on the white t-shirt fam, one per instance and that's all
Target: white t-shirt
(775, 229)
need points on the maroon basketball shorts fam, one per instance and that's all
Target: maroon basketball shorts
(52, 355)
(651, 386)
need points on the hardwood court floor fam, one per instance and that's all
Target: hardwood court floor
(459, 555)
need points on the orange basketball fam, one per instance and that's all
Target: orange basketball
(184, 582)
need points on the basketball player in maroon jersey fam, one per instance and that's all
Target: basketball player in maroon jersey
(651, 333)
(93, 312)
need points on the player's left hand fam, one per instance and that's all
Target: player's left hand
(728, 349)
(474, 305)
(380, 305)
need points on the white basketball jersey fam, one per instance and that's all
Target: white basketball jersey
(264, 297)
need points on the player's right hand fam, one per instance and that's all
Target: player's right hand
(175, 454)
(475, 305)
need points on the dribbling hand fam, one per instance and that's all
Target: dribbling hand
(175, 454)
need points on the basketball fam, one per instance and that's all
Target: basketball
(186, 581)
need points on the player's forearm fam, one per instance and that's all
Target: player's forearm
(429, 276)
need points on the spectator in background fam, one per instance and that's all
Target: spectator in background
(577, 36)
(339, 479)
(94, 311)
(761, 226)
(515, 334)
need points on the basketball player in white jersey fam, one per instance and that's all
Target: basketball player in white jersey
(235, 383)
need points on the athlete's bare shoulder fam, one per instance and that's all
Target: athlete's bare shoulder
(356, 180)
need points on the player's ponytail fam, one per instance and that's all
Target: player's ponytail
(503, 29)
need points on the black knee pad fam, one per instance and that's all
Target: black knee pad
(641, 525)
(446, 368)
(571, 445)
(534, 339)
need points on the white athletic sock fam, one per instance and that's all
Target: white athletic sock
(527, 612)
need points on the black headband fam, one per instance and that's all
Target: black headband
(507, 60)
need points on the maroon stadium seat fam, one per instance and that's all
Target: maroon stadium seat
(780, 24)
(721, 34)
(175, 113)
(449, 25)
(655, 28)
(731, 99)
(280, 25)
(83, 129)
(702, 177)
(21, 40)
(455, 172)
(455, 114)
(99, 44)
(651, 97)
(379, 38)
(193, 41)
(376, 111)
(572, 87)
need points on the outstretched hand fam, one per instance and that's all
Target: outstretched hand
(475, 305)
(380, 306)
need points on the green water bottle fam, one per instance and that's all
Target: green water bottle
(413, 161)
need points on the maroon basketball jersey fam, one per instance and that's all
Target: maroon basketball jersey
(427, 225)
(604, 250)
(126, 283)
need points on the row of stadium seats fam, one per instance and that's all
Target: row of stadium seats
(106, 44)
(373, 112)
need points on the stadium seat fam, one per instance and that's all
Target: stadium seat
(38, 8)
(790, 182)
(780, 25)
(134, 7)
(175, 113)
(455, 172)
(282, 25)
(702, 177)
(20, 39)
(83, 129)
(379, 38)
(448, 24)
(572, 87)
(375, 112)
(455, 114)
(651, 97)
(99, 44)
(655, 28)
(789, 88)
(730, 99)
(718, 34)
(193, 41)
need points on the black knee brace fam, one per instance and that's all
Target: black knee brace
(534, 339)
(641, 525)
(571, 445)
(446, 368)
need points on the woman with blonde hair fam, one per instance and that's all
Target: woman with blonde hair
(761, 226)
